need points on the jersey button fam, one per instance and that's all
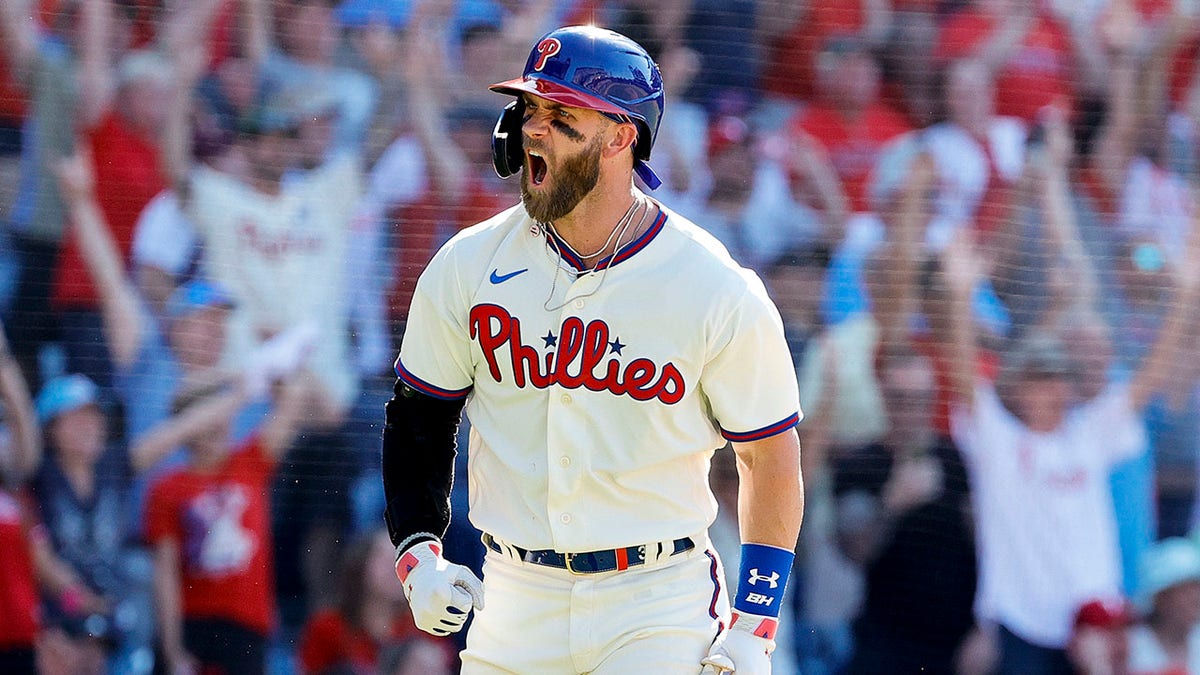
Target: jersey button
(565, 518)
(566, 399)
(564, 461)
(579, 304)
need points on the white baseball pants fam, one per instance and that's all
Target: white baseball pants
(660, 617)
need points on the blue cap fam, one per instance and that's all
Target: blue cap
(64, 394)
(1167, 563)
(360, 13)
(196, 295)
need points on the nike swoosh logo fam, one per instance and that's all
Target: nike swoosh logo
(501, 278)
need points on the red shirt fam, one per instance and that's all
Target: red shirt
(424, 226)
(791, 59)
(1038, 73)
(987, 366)
(147, 24)
(1183, 65)
(128, 175)
(12, 95)
(18, 590)
(853, 146)
(328, 640)
(221, 521)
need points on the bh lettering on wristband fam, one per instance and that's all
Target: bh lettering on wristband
(762, 579)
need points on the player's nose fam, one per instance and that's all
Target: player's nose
(536, 126)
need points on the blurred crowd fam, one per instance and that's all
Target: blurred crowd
(977, 217)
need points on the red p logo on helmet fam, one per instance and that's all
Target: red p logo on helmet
(545, 49)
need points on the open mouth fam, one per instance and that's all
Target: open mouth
(537, 168)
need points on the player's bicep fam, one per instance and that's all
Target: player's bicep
(777, 449)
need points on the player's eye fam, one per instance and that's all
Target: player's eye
(564, 113)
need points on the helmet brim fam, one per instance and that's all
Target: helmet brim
(559, 93)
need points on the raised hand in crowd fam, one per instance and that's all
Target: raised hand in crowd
(424, 68)
(914, 481)
(21, 456)
(118, 297)
(188, 63)
(1074, 283)
(803, 156)
(18, 32)
(961, 269)
(898, 295)
(1156, 371)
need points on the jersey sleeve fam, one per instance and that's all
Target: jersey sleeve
(435, 355)
(206, 188)
(750, 381)
(163, 237)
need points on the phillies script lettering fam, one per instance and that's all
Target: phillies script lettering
(578, 359)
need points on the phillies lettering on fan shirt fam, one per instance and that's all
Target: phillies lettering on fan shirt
(281, 256)
(593, 401)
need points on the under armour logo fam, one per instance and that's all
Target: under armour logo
(545, 49)
(755, 577)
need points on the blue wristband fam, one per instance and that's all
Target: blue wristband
(762, 579)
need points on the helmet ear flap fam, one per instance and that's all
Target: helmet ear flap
(507, 153)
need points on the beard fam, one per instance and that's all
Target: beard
(574, 178)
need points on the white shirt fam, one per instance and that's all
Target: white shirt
(281, 257)
(770, 223)
(1157, 205)
(164, 237)
(1046, 525)
(857, 415)
(964, 170)
(683, 350)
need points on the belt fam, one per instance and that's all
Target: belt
(591, 562)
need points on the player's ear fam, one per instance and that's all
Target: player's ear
(620, 137)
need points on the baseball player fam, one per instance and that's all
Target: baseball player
(603, 347)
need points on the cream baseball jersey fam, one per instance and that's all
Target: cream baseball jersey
(596, 399)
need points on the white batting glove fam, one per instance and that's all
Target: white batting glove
(440, 593)
(742, 649)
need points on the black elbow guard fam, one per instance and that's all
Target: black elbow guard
(418, 462)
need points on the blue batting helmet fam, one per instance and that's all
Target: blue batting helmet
(598, 69)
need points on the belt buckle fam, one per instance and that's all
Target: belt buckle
(568, 559)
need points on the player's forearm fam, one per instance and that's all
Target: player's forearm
(770, 506)
(418, 463)
(771, 492)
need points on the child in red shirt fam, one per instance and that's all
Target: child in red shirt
(209, 525)
(20, 450)
(18, 591)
